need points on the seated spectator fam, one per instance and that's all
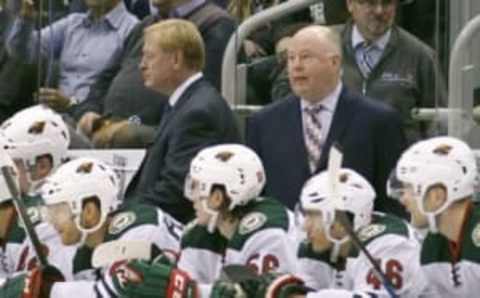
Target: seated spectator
(84, 44)
(120, 95)
(383, 61)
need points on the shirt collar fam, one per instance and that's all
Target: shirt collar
(380, 42)
(114, 17)
(181, 89)
(186, 8)
(329, 102)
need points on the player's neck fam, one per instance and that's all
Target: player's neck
(96, 238)
(227, 226)
(451, 222)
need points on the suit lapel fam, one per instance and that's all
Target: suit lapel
(167, 119)
(341, 119)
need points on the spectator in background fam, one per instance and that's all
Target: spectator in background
(384, 62)
(293, 136)
(17, 78)
(134, 110)
(84, 43)
(196, 115)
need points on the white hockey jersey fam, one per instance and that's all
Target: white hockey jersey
(265, 240)
(18, 254)
(391, 241)
(454, 269)
(132, 222)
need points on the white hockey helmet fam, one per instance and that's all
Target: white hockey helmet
(78, 180)
(354, 195)
(34, 132)
(443, 161)
(235, 167)
(6, 161)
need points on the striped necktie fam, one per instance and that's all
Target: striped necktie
(366, 60)
(313, 135)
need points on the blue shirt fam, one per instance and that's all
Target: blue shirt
(84, 47)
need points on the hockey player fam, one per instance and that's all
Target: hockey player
(436, 180)
(81, 203)
(330, 263)
(233, 226)
(37, 139)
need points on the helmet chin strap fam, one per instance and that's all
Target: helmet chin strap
(432, 223)
(337, 244)
(85, 232)
(212, 222)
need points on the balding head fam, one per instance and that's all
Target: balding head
(314, 62)
(325, 36)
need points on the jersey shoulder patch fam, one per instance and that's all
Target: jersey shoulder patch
(263, 214)
(382, 224)
(129, 217)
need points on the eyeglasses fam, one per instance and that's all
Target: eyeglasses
(374, 3)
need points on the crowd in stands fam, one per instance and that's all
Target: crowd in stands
(92, 70)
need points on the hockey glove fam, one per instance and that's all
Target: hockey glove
(144, 280)
(269, 285)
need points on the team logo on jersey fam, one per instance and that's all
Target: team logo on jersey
(371, 231)
(476, 235)
(121, 221)
(251, 222)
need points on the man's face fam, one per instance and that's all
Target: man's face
(61, 218)
(315, 231)
(157, 67)
(312, 69)
(373, 17)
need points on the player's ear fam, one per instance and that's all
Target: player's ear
(90, 213)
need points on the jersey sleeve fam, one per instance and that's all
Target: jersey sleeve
(202, 254)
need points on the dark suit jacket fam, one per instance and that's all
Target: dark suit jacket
(369, 134)
(200, 118)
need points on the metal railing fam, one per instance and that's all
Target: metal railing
(231, 90)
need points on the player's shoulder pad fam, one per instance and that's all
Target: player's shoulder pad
(198, 237)
(266, 213)
(383, 224)
(130, 216)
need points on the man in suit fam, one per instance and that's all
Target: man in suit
(196, 116)
(293, 136)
